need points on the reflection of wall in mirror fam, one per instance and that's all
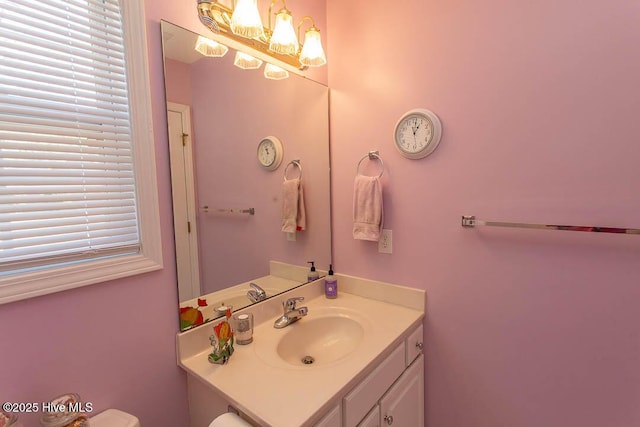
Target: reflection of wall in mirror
(227, 125)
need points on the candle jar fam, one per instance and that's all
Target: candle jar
(64, 411)
(243, 328)
(8, 419)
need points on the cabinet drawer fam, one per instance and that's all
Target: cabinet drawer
(414, 345)
(366, 394)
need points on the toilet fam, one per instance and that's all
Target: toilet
(114, 418)
(228, 419)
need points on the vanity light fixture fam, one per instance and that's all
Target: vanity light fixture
(283, 39)
(242, 25)
(246, 62)
(245, 19)
(208, 47)
(274, 72)
(312, 54)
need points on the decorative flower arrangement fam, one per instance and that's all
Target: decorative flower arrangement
(222, 341)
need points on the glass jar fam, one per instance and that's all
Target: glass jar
(8, 419)
(243, 328)
(64, 411)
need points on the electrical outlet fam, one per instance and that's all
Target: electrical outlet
(385, 244)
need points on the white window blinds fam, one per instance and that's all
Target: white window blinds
(67, 189)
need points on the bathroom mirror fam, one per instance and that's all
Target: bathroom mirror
(227, 206)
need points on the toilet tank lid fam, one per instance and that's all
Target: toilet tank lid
(114, 418)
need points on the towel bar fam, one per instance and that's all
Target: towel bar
(372, 155)
(295, 163)
(250, 211)
(471, 221)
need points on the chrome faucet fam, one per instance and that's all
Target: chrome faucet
(256, 294)
(291, 313)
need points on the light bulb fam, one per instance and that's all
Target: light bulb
(245, 19)
(274, 72)
(312, 53)
(246, 62)
(209, 47)
(284, 40)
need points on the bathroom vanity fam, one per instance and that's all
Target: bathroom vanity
(366, 352)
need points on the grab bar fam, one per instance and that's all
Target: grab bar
(471, 221)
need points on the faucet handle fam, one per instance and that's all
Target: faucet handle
(258, 289)
(290, 304)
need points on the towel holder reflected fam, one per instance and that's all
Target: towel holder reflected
(207, 209)
(372, 155)
(295, 162)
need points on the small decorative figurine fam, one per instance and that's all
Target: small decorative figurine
(222, 341)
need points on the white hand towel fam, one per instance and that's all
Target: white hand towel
(368, 214)
(293, 212)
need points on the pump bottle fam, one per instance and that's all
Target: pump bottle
(331, 284)
(312, 274)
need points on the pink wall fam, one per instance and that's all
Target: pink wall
(539, 104)
(177, 82)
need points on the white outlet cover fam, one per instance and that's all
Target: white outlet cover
(385, 243)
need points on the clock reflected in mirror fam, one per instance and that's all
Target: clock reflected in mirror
(270, 153)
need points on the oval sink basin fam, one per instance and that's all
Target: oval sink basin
(320, 340)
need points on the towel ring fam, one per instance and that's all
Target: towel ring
(295, 163)
(372, 155)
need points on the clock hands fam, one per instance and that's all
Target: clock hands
(415, 128)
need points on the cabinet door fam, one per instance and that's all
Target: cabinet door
(403, 404)
(372, 419)
(365, 395)
(332, 419)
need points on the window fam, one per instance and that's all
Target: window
(78, 197)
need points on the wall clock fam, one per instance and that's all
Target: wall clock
(417, 133)
(270, 153)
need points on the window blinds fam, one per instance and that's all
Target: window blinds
(66, 167)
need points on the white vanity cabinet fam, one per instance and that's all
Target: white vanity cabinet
(332, 419)
(393, 393)
(381, 377)
(403, 404)
(372, 419)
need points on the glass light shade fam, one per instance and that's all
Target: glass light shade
(246, 62)
(245, 19)
(283, 39)
(209, 47)
(312, 53)
(274, 72)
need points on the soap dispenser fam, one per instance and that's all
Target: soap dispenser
(312, 274)
(330, 284)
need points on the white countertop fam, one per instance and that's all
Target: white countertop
(286, 395)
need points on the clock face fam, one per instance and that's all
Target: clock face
(267, 153)
(417, 133)
(270, 153)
